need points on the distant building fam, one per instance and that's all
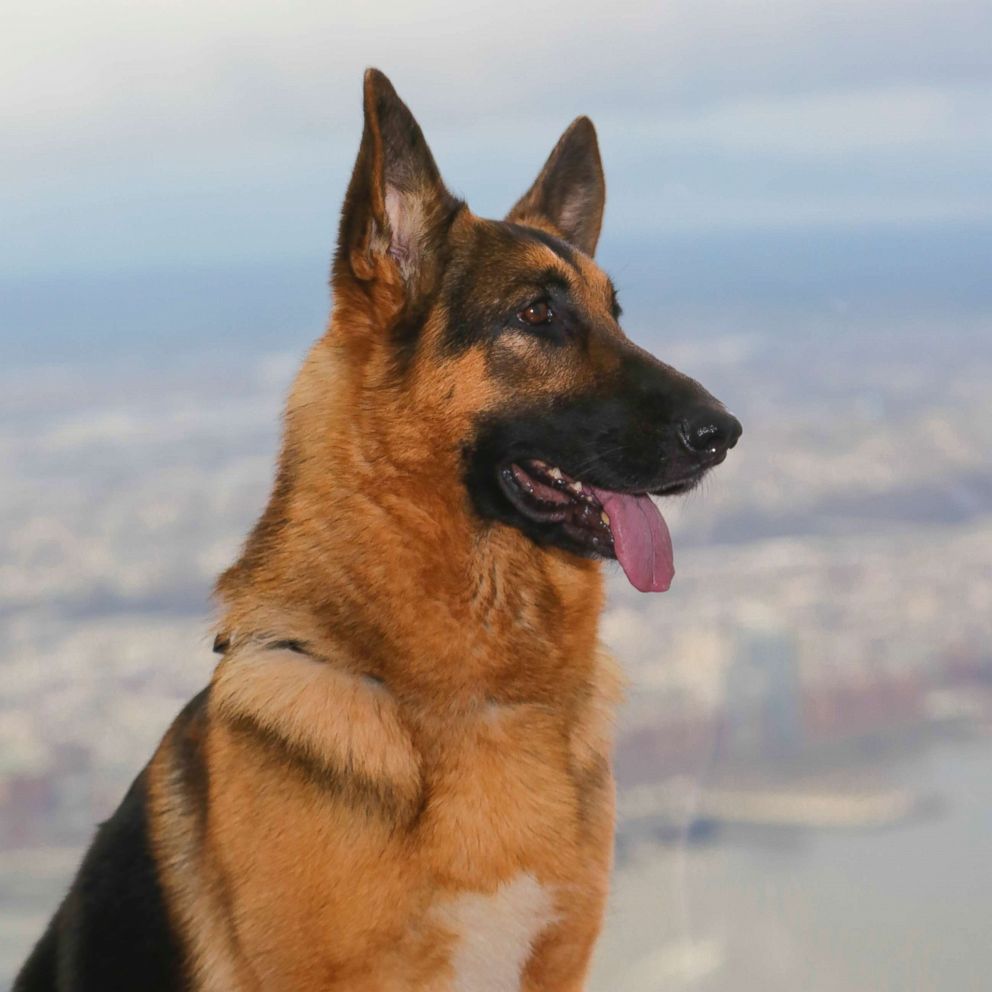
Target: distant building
(763, 697)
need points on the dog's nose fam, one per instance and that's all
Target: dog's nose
(710, 432)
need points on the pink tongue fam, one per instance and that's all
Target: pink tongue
(641, 540)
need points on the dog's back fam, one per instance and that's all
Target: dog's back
(112, 931)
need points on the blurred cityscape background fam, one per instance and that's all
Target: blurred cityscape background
(800, 216)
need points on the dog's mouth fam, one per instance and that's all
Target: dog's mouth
(622, 525)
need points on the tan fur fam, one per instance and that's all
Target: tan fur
(440, 741)
(347, 724)
(188, 873)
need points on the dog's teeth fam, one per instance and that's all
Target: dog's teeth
(576, 487)
(604, 517)
(555, 474)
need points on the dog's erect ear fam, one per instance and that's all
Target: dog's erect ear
(570, 192)
(397, 211)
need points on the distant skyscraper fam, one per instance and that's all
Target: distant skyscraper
(763, 699)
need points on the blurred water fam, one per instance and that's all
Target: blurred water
(904, 909)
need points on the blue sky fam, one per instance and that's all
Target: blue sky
(134, 134)
(180, 164)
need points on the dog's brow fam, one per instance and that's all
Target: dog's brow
(560, 248)
(543, 279)
(553, 244)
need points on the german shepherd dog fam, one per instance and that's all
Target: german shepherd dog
(399, 777)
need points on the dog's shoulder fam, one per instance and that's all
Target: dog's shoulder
(112, 931)
(342, 730)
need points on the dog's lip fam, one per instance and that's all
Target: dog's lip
(610, 523)
(679, 486)
(545, 494)
(519, 475)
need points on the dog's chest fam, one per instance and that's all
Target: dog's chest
(493, 934)
(501, 796)
(500, 799)
(480, 846)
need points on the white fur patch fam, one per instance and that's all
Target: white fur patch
(496, 933)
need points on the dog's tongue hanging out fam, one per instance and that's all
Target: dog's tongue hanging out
(641, 539)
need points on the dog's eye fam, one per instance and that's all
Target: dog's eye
(537, 313)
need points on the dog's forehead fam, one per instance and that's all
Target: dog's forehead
(504, 256)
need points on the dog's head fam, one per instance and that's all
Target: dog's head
(496, 349)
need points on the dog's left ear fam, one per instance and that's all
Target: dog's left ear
(570, 192)
(397, 211)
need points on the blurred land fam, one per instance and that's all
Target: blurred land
(799, 214)
(805, 759)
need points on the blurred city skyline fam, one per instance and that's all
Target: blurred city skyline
(799, 214)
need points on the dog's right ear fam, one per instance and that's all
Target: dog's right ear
(397, 211)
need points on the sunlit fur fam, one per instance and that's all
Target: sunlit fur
(404, 756)
(438, 753)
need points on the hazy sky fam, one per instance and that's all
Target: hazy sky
(170, 131)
